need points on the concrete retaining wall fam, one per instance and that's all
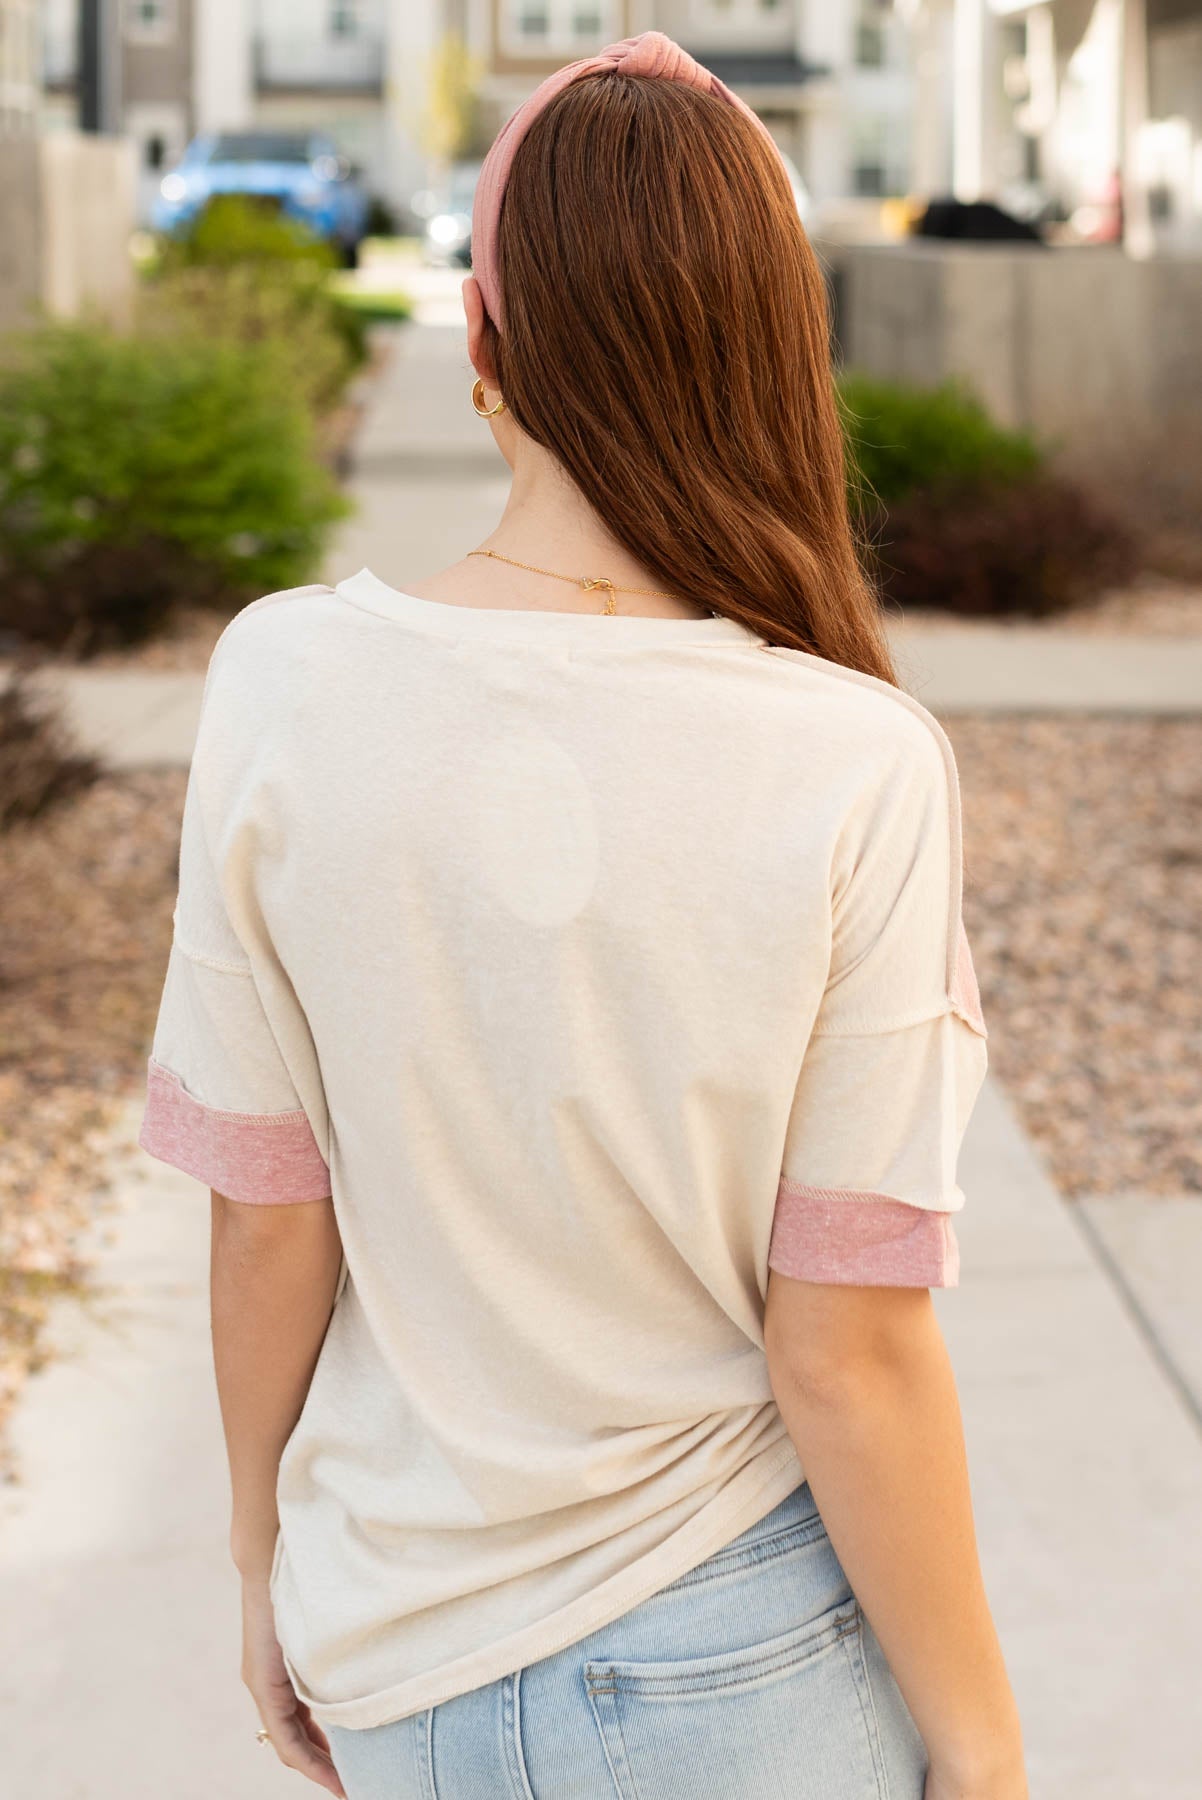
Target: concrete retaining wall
(1084, 347)
(67, 208)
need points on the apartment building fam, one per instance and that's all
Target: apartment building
(1095, 104)
(67, 198)
(171, 68)
(830, 77)
(147, 76)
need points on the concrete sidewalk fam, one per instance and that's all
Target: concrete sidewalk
(119, 1608)
(1019, 668)
(128, 718)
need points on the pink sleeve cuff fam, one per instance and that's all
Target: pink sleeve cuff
(268, 1159)
(866, 1240)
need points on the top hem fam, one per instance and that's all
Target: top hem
(758, 1487)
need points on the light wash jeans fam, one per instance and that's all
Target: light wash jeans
(755, 1676)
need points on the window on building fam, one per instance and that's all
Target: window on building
(868, 177)
(870, 44)
(737, 11)
(559, 24)
(881, 154)
(344, 18)
(872, 39)
(149, 20)
(534, 20)
(870, 157)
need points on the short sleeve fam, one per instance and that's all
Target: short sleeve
(897, 1054)
(230, 1042)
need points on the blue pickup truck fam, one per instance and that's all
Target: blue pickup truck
(304, 174)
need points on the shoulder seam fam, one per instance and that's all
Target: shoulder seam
(861, 678)
(264, 600)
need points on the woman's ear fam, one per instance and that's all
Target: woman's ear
(474, 313)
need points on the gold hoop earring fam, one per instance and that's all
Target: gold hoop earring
(478, 406)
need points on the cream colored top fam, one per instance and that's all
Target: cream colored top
(593, 964)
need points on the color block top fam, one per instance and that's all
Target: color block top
(595, 965)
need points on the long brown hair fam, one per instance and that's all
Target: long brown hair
(666, 339)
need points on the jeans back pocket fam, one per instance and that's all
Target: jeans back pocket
(787, 1718)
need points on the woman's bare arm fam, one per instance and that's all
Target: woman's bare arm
(272, 1275)
(273, 1272)
(865, 1387)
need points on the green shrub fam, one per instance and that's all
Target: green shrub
(957, 512)
(137, 472)
(375, 306)
(234, 229)
(349, 323)
(906, 440)
(39, 766)
(287, 317)
(252, 274)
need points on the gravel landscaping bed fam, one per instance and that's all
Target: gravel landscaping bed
(1083, 901)
(88, 893)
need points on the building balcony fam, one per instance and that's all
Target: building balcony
(314, 64)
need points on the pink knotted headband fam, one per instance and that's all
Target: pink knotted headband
(651, 53)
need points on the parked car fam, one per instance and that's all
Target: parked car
(447, 212)
(303, 173)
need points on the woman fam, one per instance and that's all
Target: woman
(570, 1009)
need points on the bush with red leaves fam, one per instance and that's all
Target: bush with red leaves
(1036, 545)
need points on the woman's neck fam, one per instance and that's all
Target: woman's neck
(548, 523)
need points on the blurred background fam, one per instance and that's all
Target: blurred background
(232, 234)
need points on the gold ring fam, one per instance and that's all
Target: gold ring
(263, 1735)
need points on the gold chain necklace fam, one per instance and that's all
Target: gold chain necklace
(588, 582)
